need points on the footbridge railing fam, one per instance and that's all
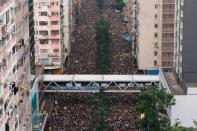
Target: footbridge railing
(92, 83)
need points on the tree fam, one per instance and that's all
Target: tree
(100, 4)
(153, 104)
(178, 127)
(102, 42)
(101, 111)
(118, 5)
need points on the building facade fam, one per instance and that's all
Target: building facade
(52, 33)
(179, 38)
(153, 28)
(16, 52)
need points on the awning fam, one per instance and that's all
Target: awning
(126, 37)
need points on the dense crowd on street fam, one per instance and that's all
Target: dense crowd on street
(121, 62)
(82, 59)
(75, 112)
(71, 112)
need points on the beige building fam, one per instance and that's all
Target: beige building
(153, 32)
(16, 54)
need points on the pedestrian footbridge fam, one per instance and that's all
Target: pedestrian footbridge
(92, 83)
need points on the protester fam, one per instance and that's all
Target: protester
(75, 112)
(82, 59)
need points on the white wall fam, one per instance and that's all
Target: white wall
(192, 91)
(185, 110)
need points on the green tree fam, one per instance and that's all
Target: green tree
(178, 127)
(101, 111)
(153, 104)
(102, 43)
(118, 5)
(100, 4)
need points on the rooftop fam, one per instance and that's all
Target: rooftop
(175, 85)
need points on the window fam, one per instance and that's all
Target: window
(155, 63)
(54, 3)
(54, 13)
(43, 23)
(13, 50)
(43, 13)
(43, 50)
(54, 22)
(156, 6)
(156, 16)
(156, 44)
(44, 32)
(7, 17)
(156, 25)
(155, 35)
(55, 59)
(155, 53)
(44, 41)
(55, 41)
(54, 32)
(44, 61)
(56, 50)
(42, 3)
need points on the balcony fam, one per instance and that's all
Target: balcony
(53, 55)
(168, 20)
(167, 30)
(167, 49)
(168, 1)
(168, 11)
(167, 39)
(5, 3)
(55, 36)
(54, 27)
(55, 18)
(53, 8)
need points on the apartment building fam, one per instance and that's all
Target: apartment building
(16, 53)
(153, 28)
(53, 26)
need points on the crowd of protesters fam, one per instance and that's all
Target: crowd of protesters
(82, 59)
(121, 59)
(75, 112)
